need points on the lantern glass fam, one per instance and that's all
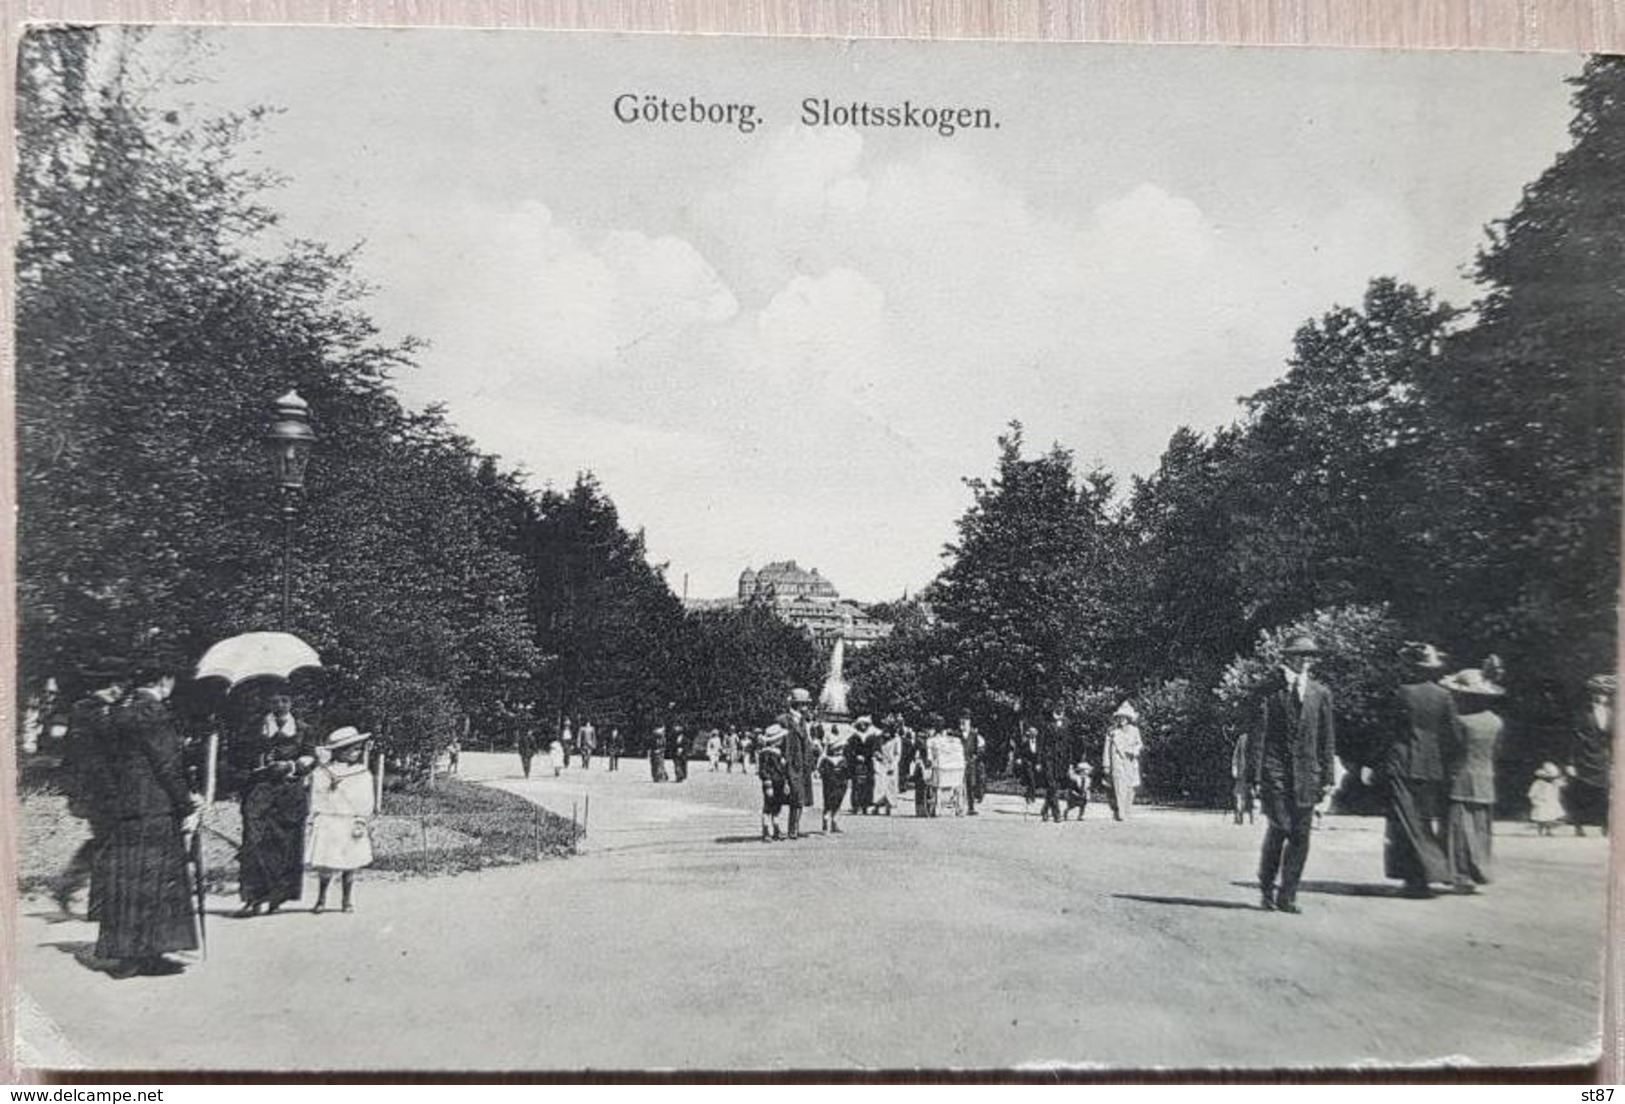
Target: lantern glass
(289, 441)
(289, 458)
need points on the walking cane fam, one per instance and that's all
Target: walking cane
(197, 874)
(211, 773)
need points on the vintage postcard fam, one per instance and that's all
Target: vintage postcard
(574, 552)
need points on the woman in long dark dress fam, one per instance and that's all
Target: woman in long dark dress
(145, 903)
(276, 804)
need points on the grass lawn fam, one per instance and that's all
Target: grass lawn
(454, 827)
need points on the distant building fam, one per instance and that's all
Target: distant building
(785, 579)
(805, 599)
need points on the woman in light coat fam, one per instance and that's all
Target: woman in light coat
(1472, 774)
(1121, 759)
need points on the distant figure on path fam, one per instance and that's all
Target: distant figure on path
(557, 757)
(886, 749)
(566, 740)
(141, 886)
(454, 756)
(799, 756)
(588, 739)
(614, 748)
(1468, 826)
(775, 781)
(1240, 783)
(973, 744)
(1054, 759)
(1121, 759)
(1024, 762)
(917, 753)
(1290, 761)
(525, 739)
(860, 765)
(947, 753)
(832, 772)
(657, 755)
(341, 811)
(713, 750)
(1078, 778)
(679, 753)
(1413, 770)
(1546, 799)
(1590, 757)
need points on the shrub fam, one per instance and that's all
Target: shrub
(1360, 663)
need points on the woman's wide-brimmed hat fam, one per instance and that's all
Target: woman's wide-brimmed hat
(1419, 653)
(1301, 645)
(1548, 770)
(1470, 680)
(800, 696)
(774, 734)
(864, 722)
(345, 737)
(1602, 684)
(1126, 712)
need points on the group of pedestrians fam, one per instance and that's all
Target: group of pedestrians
(566, 744)
(126, 779)
(1435, 771)
(867, 767)
(304, 805)
(1052, 762)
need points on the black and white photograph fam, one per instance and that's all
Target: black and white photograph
(520, 534)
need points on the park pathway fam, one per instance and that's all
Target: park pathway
(623, 810)
(677, 940)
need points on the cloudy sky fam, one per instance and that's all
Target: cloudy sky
(796, 342)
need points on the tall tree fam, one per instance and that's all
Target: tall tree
(607, 621)
(156, 322)
(1026, 600)
(1529, 465)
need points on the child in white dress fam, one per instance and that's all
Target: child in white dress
(1546, 799)
(341, 809)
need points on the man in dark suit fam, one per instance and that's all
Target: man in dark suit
(1413, 774)
(1055, 757)
(798, 756)
(973, 744)
(1590, 758)
(1290, 760)
(85, 769)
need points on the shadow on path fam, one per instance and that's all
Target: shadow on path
(1340, 889)
(1191, 902)
(84, 953)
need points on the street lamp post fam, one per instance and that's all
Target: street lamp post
(288, 443)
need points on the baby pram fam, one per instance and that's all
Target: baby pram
(948, 785)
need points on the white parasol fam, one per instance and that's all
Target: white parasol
(256, 655)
